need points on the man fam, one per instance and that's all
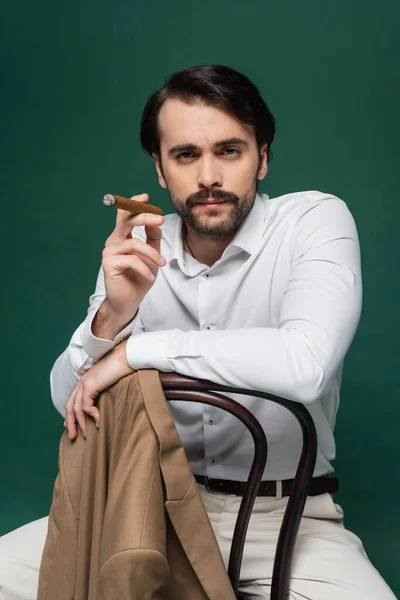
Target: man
(242, 290)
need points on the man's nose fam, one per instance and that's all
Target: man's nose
(209, 173)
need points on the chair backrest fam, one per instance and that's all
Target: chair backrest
(178, 387)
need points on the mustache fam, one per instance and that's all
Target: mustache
(202, 195)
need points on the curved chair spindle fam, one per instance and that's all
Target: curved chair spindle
(179, 387)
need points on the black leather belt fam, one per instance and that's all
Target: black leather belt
(319, 485)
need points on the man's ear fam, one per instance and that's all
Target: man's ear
(157, 163)
(262, 171)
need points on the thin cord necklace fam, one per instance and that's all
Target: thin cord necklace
(187, 243)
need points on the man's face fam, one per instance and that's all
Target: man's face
(210, 164)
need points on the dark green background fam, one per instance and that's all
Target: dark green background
(75, 77)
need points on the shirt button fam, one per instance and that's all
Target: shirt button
(207, 327)
(207, 275)
(213, 461)
(211, 422)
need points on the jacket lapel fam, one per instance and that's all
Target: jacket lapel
(182, 496)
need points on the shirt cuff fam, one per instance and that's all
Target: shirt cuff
(98, 347)
(148, 351)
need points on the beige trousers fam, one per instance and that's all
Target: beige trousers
(329, 561)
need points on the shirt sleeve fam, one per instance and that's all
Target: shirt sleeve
(319, 316)
(84, 350)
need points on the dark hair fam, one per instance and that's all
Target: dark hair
(215, 85)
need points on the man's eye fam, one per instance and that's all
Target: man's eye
(183, 156)
(230, 150)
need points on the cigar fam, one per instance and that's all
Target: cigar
(132, 205)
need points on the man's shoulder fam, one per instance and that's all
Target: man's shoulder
(303, 200)
(311, 205)
(311, 217)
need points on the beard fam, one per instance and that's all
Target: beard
(215, 223)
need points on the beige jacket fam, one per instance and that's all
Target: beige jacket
(127, 521)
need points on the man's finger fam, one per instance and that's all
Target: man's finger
(120, 264)
(70, 416)
(94, 412)
(77, 408)
(140, 197)
(123, 215)
(153, 236)
(123, 223)
(128, 221)
(134, 246)
(88, 399)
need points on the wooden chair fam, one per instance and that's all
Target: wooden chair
(178, 387)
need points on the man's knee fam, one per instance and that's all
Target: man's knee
(8, 574)
(18, 579)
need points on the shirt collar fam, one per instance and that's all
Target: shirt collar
(247, 237)
(177, 252)
(249, 234)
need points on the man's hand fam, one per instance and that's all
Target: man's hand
(130, 268)
(107, 371)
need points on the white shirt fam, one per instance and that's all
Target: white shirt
(277, 313)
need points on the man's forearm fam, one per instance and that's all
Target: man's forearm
(106, 325)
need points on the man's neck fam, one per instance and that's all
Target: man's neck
(206, 250)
